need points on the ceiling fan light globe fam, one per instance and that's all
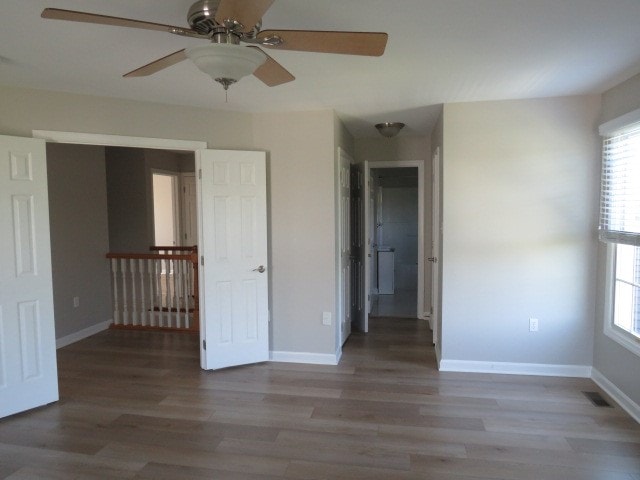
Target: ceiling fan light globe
(226, 61)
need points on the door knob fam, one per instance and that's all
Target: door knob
(260, 269)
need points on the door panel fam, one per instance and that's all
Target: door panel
(358, 250)
(28, 371)
(344, 302)
(233, 243)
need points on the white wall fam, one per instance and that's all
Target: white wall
(616, 363)
(300, 162)
(520, 198)
(400, 148)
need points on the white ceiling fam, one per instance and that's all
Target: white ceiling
(439, 51)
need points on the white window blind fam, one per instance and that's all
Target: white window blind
(620, 189)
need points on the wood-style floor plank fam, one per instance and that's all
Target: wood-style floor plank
(135, 405)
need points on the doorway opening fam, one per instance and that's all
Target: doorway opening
(393, 254)
(166, 209)
(394, 229)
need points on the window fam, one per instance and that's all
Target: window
(620, 228)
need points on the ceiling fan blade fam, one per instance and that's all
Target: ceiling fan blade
(247, 12)
(73, 16)
(271, 73)
(348, 43)
(157, 65)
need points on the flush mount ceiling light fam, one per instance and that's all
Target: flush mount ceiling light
(226, 63)
(389, 129)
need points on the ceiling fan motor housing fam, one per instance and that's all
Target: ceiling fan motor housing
(201, 16)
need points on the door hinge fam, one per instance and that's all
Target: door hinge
(200, 173)
(202, 260)
(204, 344)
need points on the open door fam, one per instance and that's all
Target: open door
(358, 248)
(232, 231)
(344, 233)
(28, 370)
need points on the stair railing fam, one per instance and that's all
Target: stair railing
(156, 291)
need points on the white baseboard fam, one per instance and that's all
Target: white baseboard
(470, 366)
(82, 334)
(303, 357)
(631, 407)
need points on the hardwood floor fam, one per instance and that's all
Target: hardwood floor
(135, 405)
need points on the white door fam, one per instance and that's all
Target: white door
(435, 246)
(232, 231)
(358, 249)
(28, 371)
(344, 302)
(189, 210)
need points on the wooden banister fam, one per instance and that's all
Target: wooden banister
(174, 248)
(151, 256)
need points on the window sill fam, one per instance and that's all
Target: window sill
(627, 340)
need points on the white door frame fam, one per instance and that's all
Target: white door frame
(436, 232)
(367, 221)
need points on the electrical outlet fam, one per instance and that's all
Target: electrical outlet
(326, 318)
(533, 324)
(76, 302)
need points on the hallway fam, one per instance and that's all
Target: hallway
(136, 405)
(402, 303)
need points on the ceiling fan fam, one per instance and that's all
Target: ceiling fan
(228, 23)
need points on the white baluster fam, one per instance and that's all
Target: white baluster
(169, 293)
(134, 300)
(158, 284)
(116, 307)
(177, 282)
(151, 313)
(143, 305)
(185, 291)
(125, 307)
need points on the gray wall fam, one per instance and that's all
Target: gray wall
(130, 194)
(400, 231)
(79, 238)
(130, 221)
(615, 362)
(520, 202)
